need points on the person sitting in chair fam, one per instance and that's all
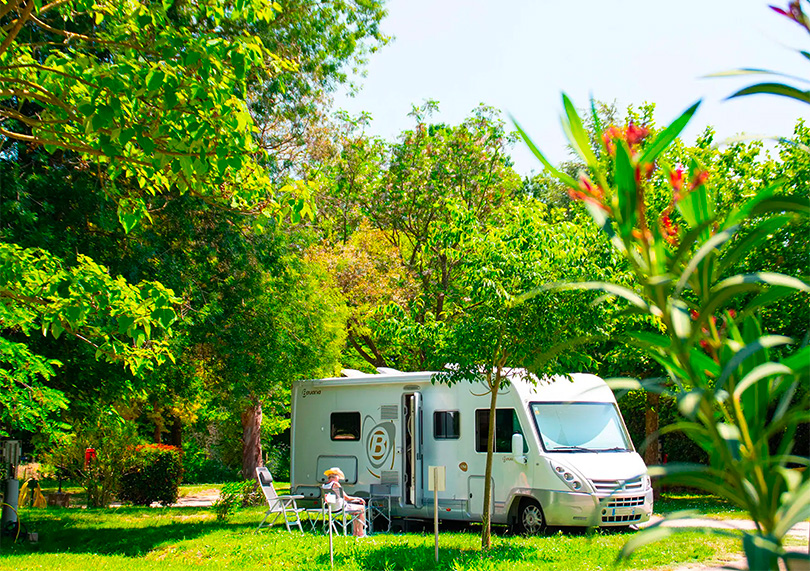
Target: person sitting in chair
(353, 505)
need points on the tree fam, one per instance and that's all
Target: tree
(429, 172)
(155, 99)
(499, 332)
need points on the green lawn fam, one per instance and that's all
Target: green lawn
(707, 505)
(186, 538)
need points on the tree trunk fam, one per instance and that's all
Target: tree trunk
(486, 532)
(177, 432)
(652, 455)
(251, 440)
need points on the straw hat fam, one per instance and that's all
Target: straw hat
(335, 471)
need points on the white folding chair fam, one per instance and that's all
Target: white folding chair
(335, 510)
(279, 506)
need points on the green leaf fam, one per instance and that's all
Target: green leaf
(763, 371)
(577, 134)
(566, 179)
(751, 349)
(710, 247)
(665, 137)
(626, 190)
(608, 287)
(779, 89)
(154, 79)
(752, 238)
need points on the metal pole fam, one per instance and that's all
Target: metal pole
(331, 546)
(436, 510)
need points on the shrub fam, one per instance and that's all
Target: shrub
(153, 475)
(235, 495)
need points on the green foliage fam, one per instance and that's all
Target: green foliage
(675, 446)
(406, 196)
(153, 474)
(162, 105)
(113, 442)
(200, 466)
(736, 396)
(233, 496)
(125, 323)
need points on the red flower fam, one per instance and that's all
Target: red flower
(676, 179)
(590, 188)
(609, 137)
(700, 178)
(636, 134)
(589, 192)
(669, 229)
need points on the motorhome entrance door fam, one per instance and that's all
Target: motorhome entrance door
(412, 457)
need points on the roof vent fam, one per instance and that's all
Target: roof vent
(354, 373)
(388, 371)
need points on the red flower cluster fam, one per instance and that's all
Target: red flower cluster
(677, 178)
(668, 228)
(706, 344)
(589, 192)
(632, 134)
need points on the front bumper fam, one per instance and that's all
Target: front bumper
(586, 510)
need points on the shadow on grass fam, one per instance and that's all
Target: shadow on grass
(95, 531)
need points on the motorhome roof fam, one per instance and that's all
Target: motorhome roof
(560, 388)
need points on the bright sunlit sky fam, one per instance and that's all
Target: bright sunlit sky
(519, 55)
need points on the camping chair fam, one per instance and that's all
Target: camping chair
(334, 510)
(284, 506)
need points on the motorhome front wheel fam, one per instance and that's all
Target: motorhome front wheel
(531, 517)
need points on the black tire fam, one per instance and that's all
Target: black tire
(530, 518)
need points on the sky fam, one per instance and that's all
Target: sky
(520, 55)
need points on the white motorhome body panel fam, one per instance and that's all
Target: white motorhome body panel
(368, 425)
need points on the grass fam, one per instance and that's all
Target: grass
(705, 504)
(186, 538)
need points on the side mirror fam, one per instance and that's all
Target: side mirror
(517, 449)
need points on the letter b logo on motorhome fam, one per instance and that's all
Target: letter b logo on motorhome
(380, 444)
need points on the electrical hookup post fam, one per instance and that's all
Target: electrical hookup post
(436, 483)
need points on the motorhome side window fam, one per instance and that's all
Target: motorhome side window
(345, 426)
(446, 424)
(506, 424)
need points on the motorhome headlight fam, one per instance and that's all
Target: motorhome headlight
(571, 479)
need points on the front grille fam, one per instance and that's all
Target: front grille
(620, 518)
(626, 502)
(615, 486)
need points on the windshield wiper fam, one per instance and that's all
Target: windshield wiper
(570, 449)
(614, 449)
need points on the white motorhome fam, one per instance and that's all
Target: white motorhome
(563, 456)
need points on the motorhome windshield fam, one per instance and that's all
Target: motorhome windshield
(580, 427)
